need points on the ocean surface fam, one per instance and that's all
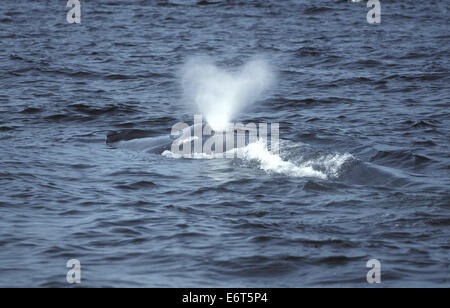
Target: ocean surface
(363, 171)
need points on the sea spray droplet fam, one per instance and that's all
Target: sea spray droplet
(221, 95)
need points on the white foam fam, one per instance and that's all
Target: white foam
(275, 164)
(170, 154)
(324, 167)
(332, 163)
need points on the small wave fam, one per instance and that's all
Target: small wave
(413, 55)
(425, 143)
(317, 10)
(126, 135)
(422, 124)
(31, 110)
(119, 77)
(287, 103)
(400, 157)
(309, 51)
(137, 185)
(84, 112)
(417, 77)
(203, 2)
(6, 20)
(6, 128)
(16, 57)
(106, 110)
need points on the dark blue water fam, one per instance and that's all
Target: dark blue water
(369, 104)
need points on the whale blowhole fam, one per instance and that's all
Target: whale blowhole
(219, 94)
